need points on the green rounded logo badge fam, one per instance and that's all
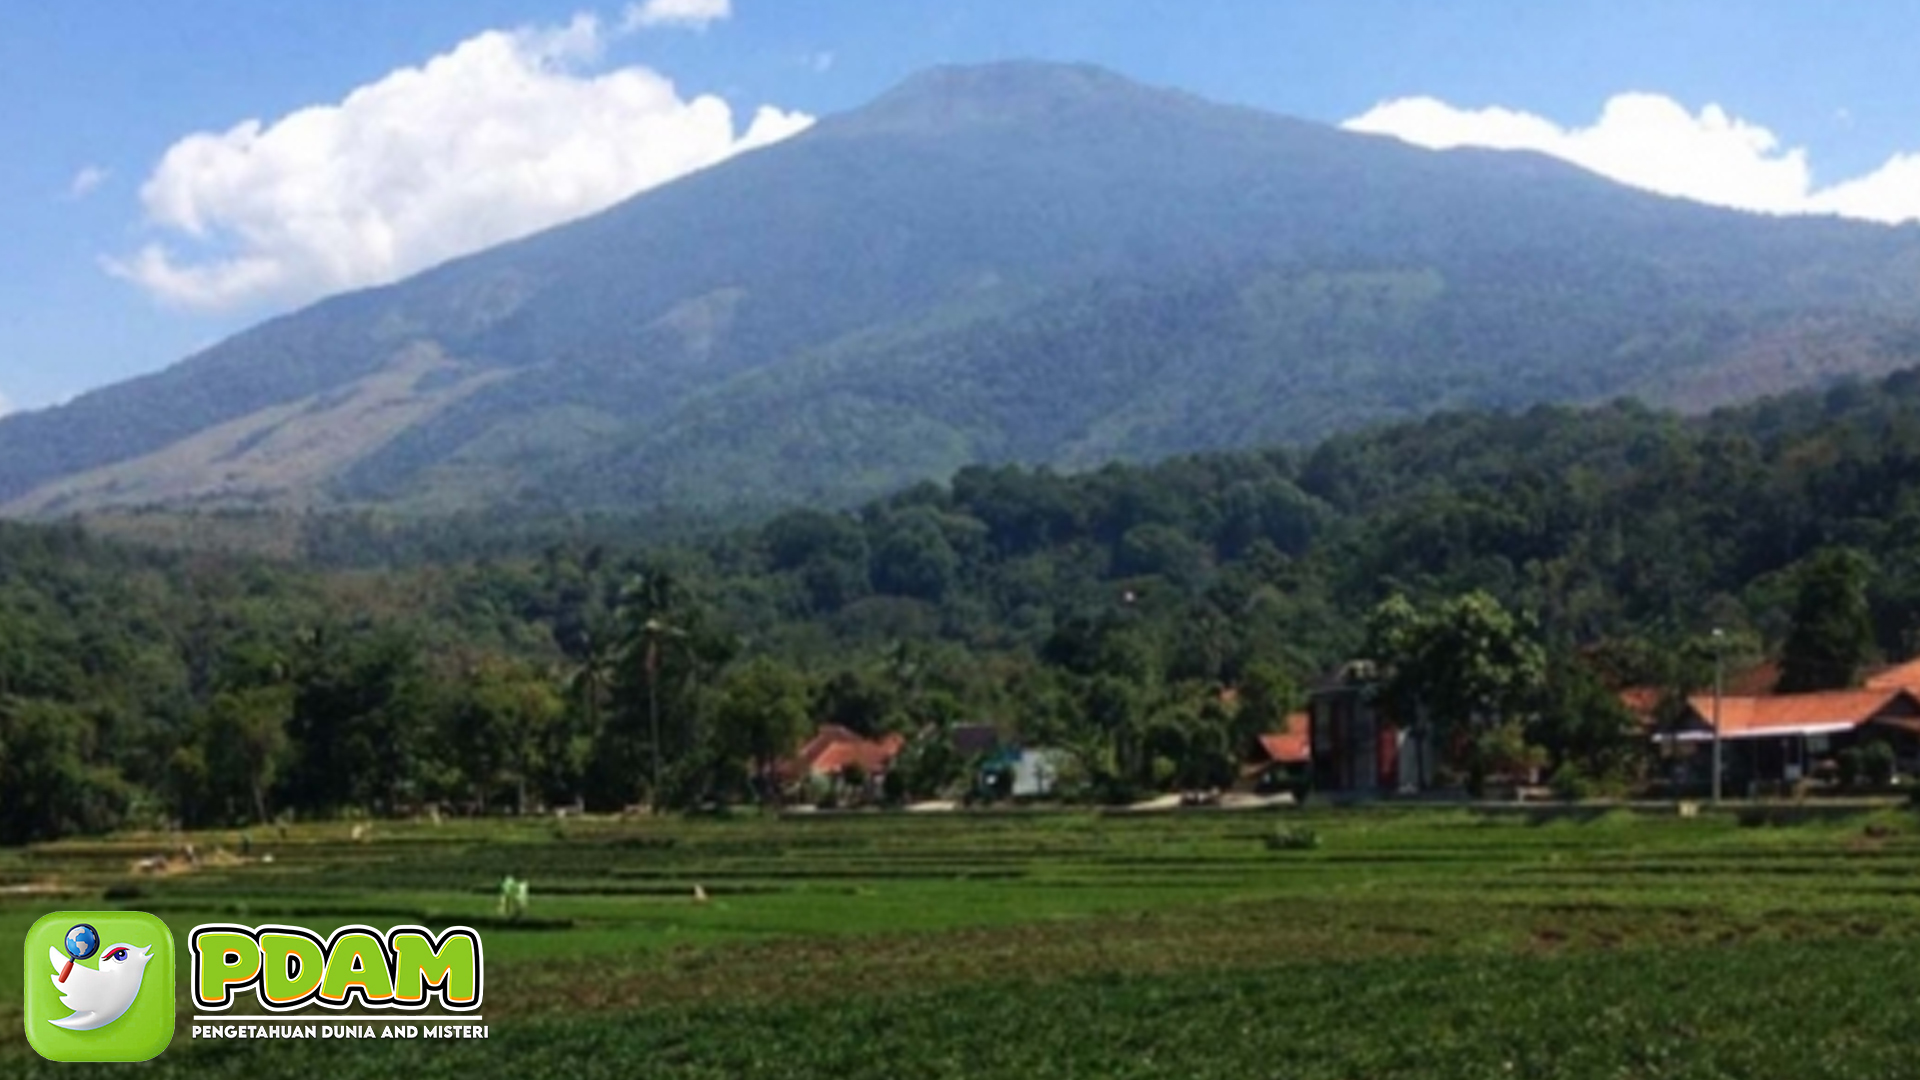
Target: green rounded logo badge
(99, 986)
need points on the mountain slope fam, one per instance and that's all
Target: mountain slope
(1013, 262)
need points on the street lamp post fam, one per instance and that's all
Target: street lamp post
(1719, 639)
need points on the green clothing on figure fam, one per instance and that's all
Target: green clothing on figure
(513, 896)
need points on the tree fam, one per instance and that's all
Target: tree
(1194, 738)
(826, 553)
(1832, 635)
(759, 715)
(244, 744)
(594, 667)
(507, 728)
(1500, 749)
(928, 764)
(1163, 551)
(668, 650)
(1581, 723)
(1466, 662)
(1112, 707)
(865, 704)
(1266, 697)
(49, 784)
(914, 558)
(359, 719)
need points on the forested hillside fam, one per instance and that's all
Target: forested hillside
(1017, 263)
(1101, 612)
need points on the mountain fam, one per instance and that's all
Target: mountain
(1015, 262)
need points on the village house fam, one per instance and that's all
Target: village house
(1019, 772)
(1897, 677)
(834, 750)
(1783, 738)
(1770, 738)
(1357, 745)
(1281, 760)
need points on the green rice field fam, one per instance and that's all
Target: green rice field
(1379, 943)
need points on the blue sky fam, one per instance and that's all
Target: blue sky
(98, 94)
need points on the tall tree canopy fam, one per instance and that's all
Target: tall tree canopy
(1832, 635)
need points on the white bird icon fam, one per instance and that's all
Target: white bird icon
(99, 996)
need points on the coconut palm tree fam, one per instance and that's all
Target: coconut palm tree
(648, 607)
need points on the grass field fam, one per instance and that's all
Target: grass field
(1408, 943)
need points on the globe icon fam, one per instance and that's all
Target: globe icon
(82, 941)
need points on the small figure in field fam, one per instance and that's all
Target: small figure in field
(513, 897)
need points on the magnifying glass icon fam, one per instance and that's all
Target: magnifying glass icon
(82, 942)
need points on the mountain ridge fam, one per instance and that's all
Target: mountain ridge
(1011, 262)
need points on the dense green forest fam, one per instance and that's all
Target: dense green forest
(479, 664)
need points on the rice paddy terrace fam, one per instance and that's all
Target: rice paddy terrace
(1355, 943)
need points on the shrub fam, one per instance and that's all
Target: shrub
(1877, 763)
(1477, 779)
(1289, 838)
(816, 790)
(1571, 784)
(1110, 790)
(1850, 763)
(854, 777)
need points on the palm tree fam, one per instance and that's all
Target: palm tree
(592, 676)
(645, 606)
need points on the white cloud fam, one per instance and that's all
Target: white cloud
(693, 14)
(85, 181)
(505, 134)
(821, 62)
(5, 405)
(1890, 193)
(1653, 142)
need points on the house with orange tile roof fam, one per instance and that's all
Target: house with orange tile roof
(1768, 738)
(1279, 759)
(1897, 677)
(1288, 746)
(834, 749)
(1643, 702)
